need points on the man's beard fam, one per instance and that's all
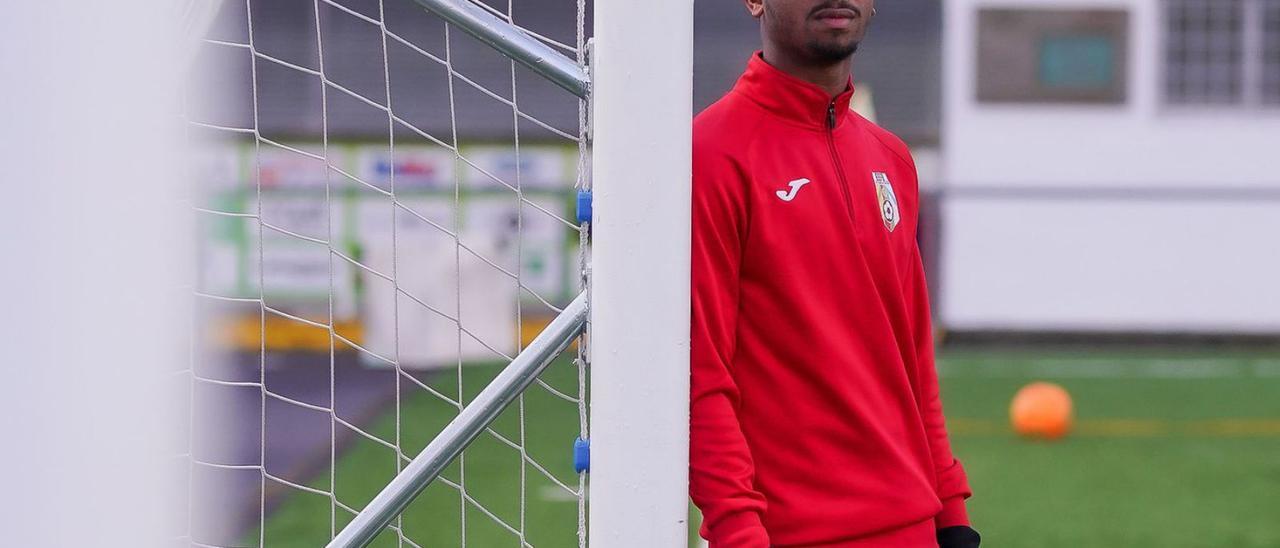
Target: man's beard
(824, 52)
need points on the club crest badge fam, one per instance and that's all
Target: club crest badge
(888, 201)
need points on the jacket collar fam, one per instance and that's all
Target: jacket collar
(790, 97)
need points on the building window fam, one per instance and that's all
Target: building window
(1052, 56)
(1222, 52)
(1271, 53)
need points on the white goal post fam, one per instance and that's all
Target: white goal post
(642, 70)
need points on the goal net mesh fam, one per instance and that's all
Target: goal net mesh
(385, 218)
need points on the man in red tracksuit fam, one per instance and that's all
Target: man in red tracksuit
(815, 413)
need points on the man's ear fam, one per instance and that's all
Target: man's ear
(754, 7)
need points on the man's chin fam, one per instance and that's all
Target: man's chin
(831, 52)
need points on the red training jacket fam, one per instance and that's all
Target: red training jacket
(816, 417)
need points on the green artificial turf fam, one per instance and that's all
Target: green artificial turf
(1173, 448)
(492, 467)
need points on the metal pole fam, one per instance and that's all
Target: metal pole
(464, 428)
(512, 42)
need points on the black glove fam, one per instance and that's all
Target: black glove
(958, 537)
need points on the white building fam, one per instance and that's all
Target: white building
(1111, 165)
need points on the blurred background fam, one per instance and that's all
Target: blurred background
(385, 215)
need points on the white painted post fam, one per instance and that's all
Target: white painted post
(94, 236)
(642, 109)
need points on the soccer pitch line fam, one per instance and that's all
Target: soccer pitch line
(1102, 368)
(1135, 428)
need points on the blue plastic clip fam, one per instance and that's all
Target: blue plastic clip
(584, 206)
(581, 455)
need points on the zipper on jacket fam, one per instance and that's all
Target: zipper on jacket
(835, 158)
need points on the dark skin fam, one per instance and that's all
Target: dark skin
(813, 40)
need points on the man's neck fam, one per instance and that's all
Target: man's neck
(832, 78)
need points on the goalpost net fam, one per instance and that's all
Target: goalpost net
(396, 241)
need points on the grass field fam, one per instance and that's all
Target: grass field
(1173, 448)
(492, 467)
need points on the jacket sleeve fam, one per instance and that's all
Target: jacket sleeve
(953, 486)
(720, 466)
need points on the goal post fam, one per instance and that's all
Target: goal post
(642, 73)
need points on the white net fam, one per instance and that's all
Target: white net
(385, 219)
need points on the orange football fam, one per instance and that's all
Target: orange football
(1041, 410)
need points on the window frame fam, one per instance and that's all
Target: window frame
(1252, 42)
(1115, 23)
